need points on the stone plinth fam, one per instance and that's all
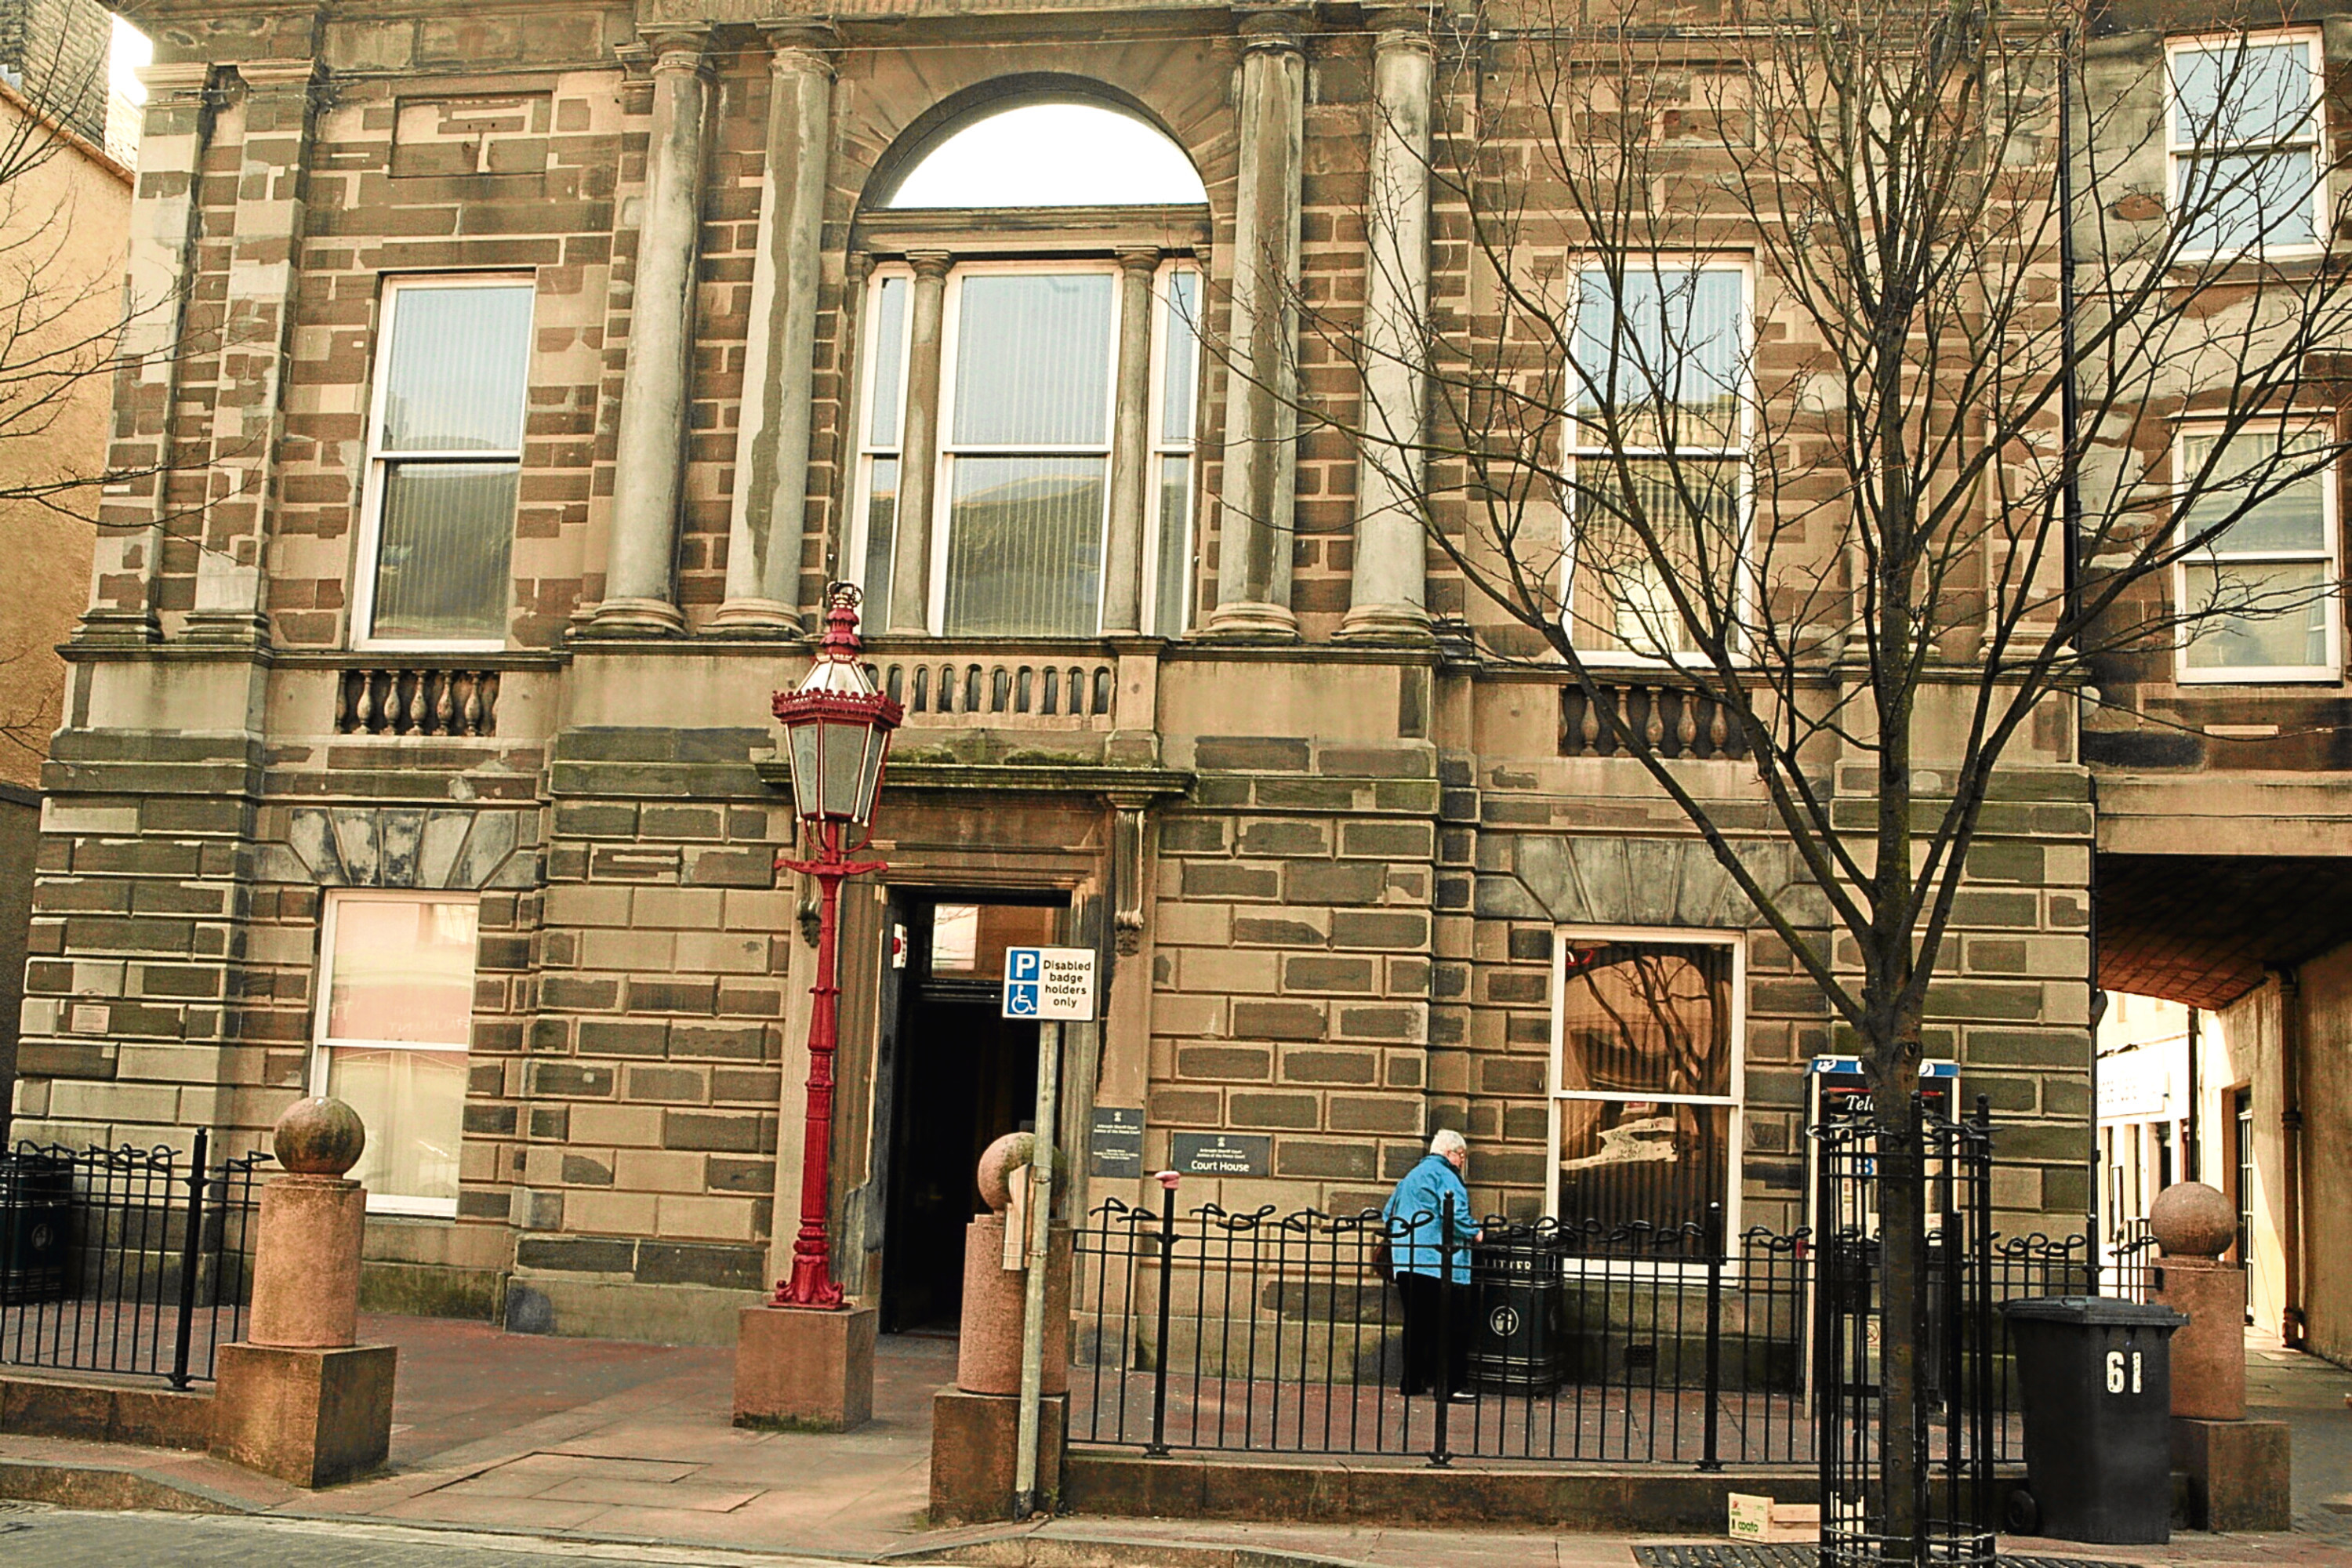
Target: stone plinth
(310, 1417)
(988, 1353)
(306, 1267)
(801, 1368)
(975, 1441)
(2238, 1472)
(2209, 1355)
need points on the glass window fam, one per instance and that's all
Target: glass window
(1052, 155)
(445, 458)
(1029, 382)
(1644, 1080)
(968, 941)
(2260, 598)
(2245, 129)
(1657, 457)
(395, 1017)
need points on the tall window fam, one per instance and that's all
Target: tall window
(394, 1015)
(1029, 377)
(2245, 129)
(445, 452)
(1645, 1071)
(2261, 595)
(1657, 448)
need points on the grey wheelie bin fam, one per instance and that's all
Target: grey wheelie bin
(2095, 1378)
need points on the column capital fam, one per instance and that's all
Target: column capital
(1402, 27)
(277, 76)
(1271, 28)
(1139, 257)
(802, 44)
(176, 77)
(678, 50)
(931, 264)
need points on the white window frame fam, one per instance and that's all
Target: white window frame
(870, 452)
(1160, 447)
(1736, 1122)
(1574, 452)
(2329, 558)
(330, 903)
(370, 533)
(2179, 154)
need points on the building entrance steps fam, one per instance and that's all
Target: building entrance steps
(581, 1440)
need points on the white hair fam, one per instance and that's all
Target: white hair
(1448, 1142)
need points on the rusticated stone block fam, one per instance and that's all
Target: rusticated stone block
(310, 1417)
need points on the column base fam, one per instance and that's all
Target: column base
(117, 626)
(1400, 625)
(1251, 620)
(632, 618)
(310, 1417)
(803, 1369)
(240, 628)
(976, 1450)
(2238, 1473)
(756, 618)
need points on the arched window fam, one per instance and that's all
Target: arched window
(1051, 156)
(1021, 475)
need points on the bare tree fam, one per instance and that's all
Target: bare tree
(1822, 361)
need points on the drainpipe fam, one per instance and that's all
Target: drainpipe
(2291, 1322)
(1029, 1432)
(2189, 1165)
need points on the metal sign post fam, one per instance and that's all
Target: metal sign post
(1049, 985)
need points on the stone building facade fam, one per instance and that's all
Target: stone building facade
(489, 850)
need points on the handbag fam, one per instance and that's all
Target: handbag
(1384, 1261)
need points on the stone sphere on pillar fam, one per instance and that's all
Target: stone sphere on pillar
(319, 1136)
(1006, 1155)
(2190, 1219)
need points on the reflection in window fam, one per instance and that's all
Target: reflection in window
(1643, 1081)
(968, 941)
(2244, 133)
(445, 459)
(2261, 595)
(396, 1015)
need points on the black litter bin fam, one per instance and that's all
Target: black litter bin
(35, 1211)
(1516, 1343)
(2095, 1378)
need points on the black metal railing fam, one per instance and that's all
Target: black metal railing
(1259, 1332)
(125, 1260)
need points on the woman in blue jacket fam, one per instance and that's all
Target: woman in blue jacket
(1432, 1267)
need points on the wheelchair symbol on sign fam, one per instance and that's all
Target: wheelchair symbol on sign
(1021, 999)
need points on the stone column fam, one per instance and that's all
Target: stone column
(1388, 599)
(919, 453)
(649, 465)
(1258, 503)
(1130, 448)
(765, 531)
(298, 1398)
(249, 411)
(176, 127)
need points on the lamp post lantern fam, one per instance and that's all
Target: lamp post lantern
(837, 729)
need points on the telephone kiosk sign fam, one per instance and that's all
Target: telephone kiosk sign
(1051, 985)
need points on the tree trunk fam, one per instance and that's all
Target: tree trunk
(1903, 1419)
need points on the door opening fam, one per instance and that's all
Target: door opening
(962, 1077)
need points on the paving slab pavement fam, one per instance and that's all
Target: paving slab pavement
(539, 1441)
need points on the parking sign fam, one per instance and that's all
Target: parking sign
(1049, 984)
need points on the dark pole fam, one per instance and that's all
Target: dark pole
(1713, 1459)
(191, 1254)
(1158, 1447)
(1440, 1454)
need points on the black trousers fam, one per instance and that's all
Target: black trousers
(1437, 1335)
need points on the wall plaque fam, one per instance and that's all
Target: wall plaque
(1221, 1153)
(1115, 1142)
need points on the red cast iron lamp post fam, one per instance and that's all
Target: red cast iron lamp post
(836, 731)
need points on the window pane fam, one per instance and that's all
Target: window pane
(1676, 368)
(881, 538)
(1646, 1017)
(441, 564)
(1620, 600)
(970, 940)
(1024, 546)
(2291, 520)
(2228, 97)
(1177, 373)
(412, 1104)
(402, 969)
(459, 360)
(1032, 360)
(2259, 616)
(1171, 605)
(889, 351)
(2236, 202)
(1633, 1162)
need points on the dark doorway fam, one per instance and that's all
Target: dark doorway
(962, 1077)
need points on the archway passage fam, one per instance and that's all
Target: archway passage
(1050, 154)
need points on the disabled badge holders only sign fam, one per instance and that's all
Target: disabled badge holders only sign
(1049, 984)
